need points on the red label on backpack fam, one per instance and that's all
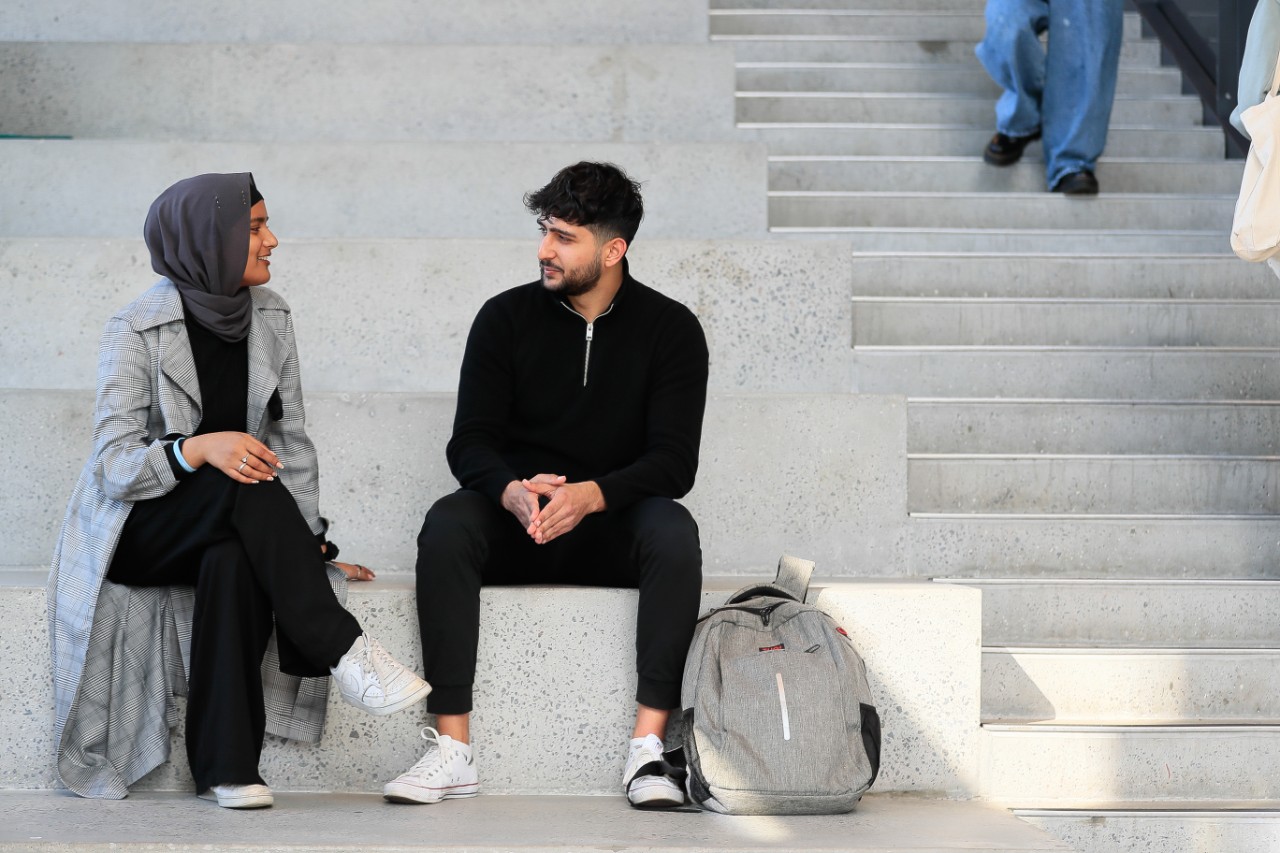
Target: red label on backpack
(778, 648)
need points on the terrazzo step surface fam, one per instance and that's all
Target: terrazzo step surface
(376, 190)
(968, 78)
(1208, 373)
(1130, 686)
(1139, 614)
(343, 291)
(935, 108)
(948, 49)
(998, 425)
(896, 139)
(1242, 828)
(1093, 484)
(554, 685)
(923, 25)
(1142, 275)
(396, 21)
(494, 824)
(854, 172)
(1156, 211)
(1030, 321)
(1048, 546)
(382, 465)
(906, 240)
(1096, 766)
(385, 92)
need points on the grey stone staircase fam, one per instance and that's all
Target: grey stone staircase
(1063, 408)
(1090, 408)
(393, 141)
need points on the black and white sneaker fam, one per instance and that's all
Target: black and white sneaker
(651, 782)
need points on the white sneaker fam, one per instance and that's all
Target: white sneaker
(446, 771)
(239, 796)
(646, 779)
(369, 678)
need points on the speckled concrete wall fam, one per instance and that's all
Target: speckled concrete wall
(554, 690)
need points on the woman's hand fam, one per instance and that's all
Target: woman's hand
(356, 572)
(237, 454)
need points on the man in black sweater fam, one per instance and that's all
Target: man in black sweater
(579, 418)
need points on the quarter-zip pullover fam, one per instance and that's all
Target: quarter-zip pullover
(618, 400)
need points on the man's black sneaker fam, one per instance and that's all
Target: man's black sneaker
(1006, 150)
(1077, 183)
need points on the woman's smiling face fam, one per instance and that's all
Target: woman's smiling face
(257, 269)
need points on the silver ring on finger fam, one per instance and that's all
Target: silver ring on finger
(241, 468)
(244, 460)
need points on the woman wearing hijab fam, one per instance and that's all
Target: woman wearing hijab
(195, 527)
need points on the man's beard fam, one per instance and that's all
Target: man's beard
(576, 282)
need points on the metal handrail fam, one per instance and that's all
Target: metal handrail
(1214, 74)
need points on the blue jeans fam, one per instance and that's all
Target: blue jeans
(1067, 90)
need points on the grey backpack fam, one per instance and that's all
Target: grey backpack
(777, 713)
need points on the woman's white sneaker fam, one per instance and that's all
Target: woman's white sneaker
(239, 796)
(369, 678)
(446, 771)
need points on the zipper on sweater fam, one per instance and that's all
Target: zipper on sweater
(591, 331)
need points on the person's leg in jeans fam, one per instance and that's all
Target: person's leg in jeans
(1082, 64)
(1011, 52)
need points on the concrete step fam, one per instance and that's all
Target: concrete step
(328, 92)
(1136, 276)
(1171, 111)
(574, 676)
(844, 505)
(995, 425)
(948, 48)
(893, 321)
(1021, 241)
(376, 190)
(1130, 686)
(1100, 765)
(925, 25)
(1096, 484)
(891, 139)
(1053, 547)
(491, 824)
(789, 173)
(968, 78)
(743, 292)
(1154, 211)
(1242, 829)
(1131, 614)
(386, 21)
(1133, 373)
(904, 5)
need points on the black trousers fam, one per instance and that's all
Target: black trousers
(251, 557)
(468, 542)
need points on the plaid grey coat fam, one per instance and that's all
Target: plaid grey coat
(119, 652)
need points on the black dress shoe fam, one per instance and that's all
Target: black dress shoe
(1077, 183)
(1006, 150)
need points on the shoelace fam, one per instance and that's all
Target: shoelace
(434, 758)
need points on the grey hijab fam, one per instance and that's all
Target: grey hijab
(198, 234)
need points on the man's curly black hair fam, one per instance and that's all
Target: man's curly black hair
(598, 196)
